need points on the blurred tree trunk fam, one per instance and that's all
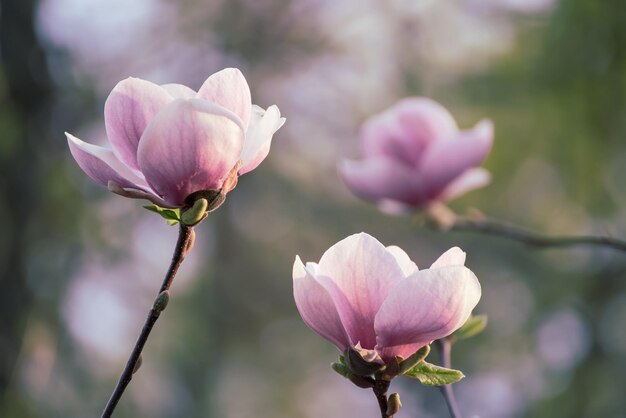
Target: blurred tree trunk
(24, 100)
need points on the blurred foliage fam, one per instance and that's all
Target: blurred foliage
(231, 343)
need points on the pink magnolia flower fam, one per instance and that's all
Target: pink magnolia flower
(169, 141)
(414, 154)
(363, 293)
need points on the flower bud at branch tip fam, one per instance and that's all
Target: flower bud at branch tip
(393, 404)
(196, 213)
(161, 301)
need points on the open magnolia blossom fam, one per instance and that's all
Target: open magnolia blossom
(364, 296)
(414, 154)
(168, 141)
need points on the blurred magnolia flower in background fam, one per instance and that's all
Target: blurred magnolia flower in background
(414, 155)
(169, 141)
(364, 295)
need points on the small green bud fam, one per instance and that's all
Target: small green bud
(393, 404)
(161, 301)
(195, 214)
(360, 381)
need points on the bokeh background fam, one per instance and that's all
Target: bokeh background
(79, 267)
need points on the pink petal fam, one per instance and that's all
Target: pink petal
(471, 179)
(428, 305)
(358, 273)
(191, 145)
(381, 178)
(102, 166)
(316, 307)
(263, 125)
(229, 88)
(405, 130)
(453, 257)
(179, 91)
(448, 159)
(127, 111)
(407, 266)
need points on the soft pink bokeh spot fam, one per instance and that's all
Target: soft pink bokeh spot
(362, 292)
(414, 154)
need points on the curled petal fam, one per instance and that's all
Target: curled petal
(102, 166)
(229, 88)
(446, 296)
(263, 125)
(381, 178)
(316, 306)
(190, 146)
(453, 257)
(448, 159)
(471, 179)
(128, 110)
(407, 266)
(358, 273)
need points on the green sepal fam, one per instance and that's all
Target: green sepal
(171, 216)
(473, 326)
(433, 375)
(342, 368)
(414, 359)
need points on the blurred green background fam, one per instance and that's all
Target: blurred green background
(79, 266)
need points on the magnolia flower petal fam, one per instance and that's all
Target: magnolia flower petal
(102, 166)
(263, 125)
(191, 145)
(405, 130)
(381, 178)
(453, 257)
(448, 159)
(428, 305)
(130, 107)
(358, 273)
(229, 88)
(316, 306)
(471, 179)
(407, 266)
(179, 91)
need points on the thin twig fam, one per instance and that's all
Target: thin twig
(530, 238)
(443, 218)
(444, 347)
(380, 390)
(183, 246)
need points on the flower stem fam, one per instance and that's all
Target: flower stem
(184, 244)
(380, 390)
(444, 346)
(447, 220)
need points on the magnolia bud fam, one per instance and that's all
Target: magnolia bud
(393, 404)
(196, 213)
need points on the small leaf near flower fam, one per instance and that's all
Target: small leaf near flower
(172, 216)
(433, 375)
(473, 326)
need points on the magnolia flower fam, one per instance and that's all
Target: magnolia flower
(364, 296)
(414, 154)
(168, 141)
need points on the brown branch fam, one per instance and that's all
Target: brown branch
(183, 246)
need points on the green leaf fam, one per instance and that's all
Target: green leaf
(172, 216)
(473, 326)
(433, 375)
